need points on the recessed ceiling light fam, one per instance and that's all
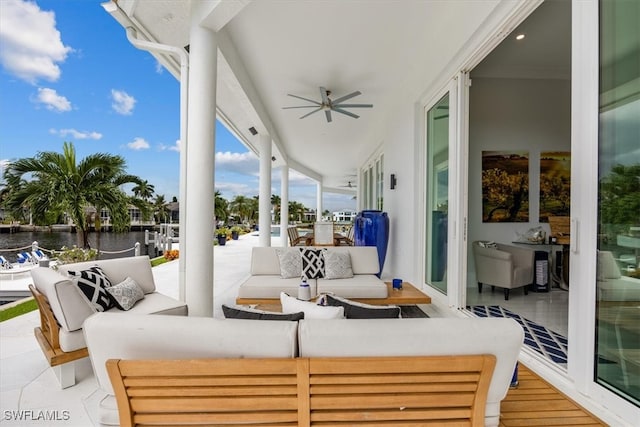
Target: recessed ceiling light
(520, 36)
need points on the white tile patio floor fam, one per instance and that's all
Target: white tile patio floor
(29, 391)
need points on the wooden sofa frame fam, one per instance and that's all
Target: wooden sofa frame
(390, 391)
(47, 335)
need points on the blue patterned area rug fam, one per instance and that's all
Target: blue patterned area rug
(550, 344)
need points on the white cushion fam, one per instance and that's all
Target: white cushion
(128, 336)
(264, 261)
(69, 305)
(501, 337)
(271, 286)
(311, 310)
(364, 259)
(70, 341)
(155, 303)
(117, 269)
(359, 286)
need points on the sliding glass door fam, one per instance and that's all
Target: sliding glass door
(437, 199)
(618, 268)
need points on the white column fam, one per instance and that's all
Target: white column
(284, 205)
(265, 191)
(197, 229)
(319, 201)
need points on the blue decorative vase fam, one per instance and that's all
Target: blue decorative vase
(372, 229)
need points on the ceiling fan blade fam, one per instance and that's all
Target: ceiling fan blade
(348, 113)
(314, 111)
(301, 106)
(344, 98)
(328, 114)
(353, 105)
(305, 99)
(323, 94)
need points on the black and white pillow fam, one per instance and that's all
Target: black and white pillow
(93, 284)
(126, 293)
(236, 312)
(312, 263)
(290, 262)
(357, 310)
(337, 265)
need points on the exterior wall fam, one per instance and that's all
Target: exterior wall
(514, 114)
(399, 203)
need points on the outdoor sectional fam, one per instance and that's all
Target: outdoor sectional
(421, 348)
(64, 307)
(271, 273)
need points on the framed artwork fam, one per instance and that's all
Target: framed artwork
(505, 186)
(555, 184)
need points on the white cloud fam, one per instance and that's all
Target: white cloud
(159, 67)
(76, 134)
(31, 44)
(245, 163)
(174, 147)
(52, 101)
(138, 144)
(123, 103)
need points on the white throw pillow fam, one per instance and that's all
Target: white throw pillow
(311, 310)
(607, 266)
(337, 265)
(290, 262)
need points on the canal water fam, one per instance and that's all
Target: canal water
(55, 240)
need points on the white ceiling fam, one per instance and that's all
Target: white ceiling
(391, 51)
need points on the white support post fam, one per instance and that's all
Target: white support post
(197, 229)
(66, 374)
(284, 205)
(319, 202)
(264, 210)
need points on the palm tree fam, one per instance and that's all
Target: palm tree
(60, 184)
(143, 190)
(276, 202)
(160, 208)
(296, 211)
(241, 206)
(221, 207)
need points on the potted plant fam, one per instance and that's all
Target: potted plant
(235, 232)
(221, 234)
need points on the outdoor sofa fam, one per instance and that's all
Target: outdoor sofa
(347, 271)
(188, 351)
(64, 307)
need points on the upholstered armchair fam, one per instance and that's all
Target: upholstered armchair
(505, 266)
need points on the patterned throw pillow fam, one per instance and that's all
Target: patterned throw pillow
(290, 262)
(93, 283)
(490, 245)
(358, 310)
(312, 263)
(237, 312)
(337, 265)
(126, 293)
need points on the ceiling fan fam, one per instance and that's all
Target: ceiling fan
(328, 105)
(350, 184)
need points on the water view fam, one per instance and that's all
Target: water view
(108, 241)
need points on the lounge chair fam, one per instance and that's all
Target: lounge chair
(294, 238)
(24, 258)
(38, 255)
(4, 264)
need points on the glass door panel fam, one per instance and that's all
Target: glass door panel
(437, 200)
(618, 268)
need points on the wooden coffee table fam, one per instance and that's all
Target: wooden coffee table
(408, 295)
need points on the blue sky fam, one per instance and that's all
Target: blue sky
(68, 73)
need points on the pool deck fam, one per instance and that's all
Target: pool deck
(30, 391)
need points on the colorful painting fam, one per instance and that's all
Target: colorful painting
(505, 186)
(555, 184)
